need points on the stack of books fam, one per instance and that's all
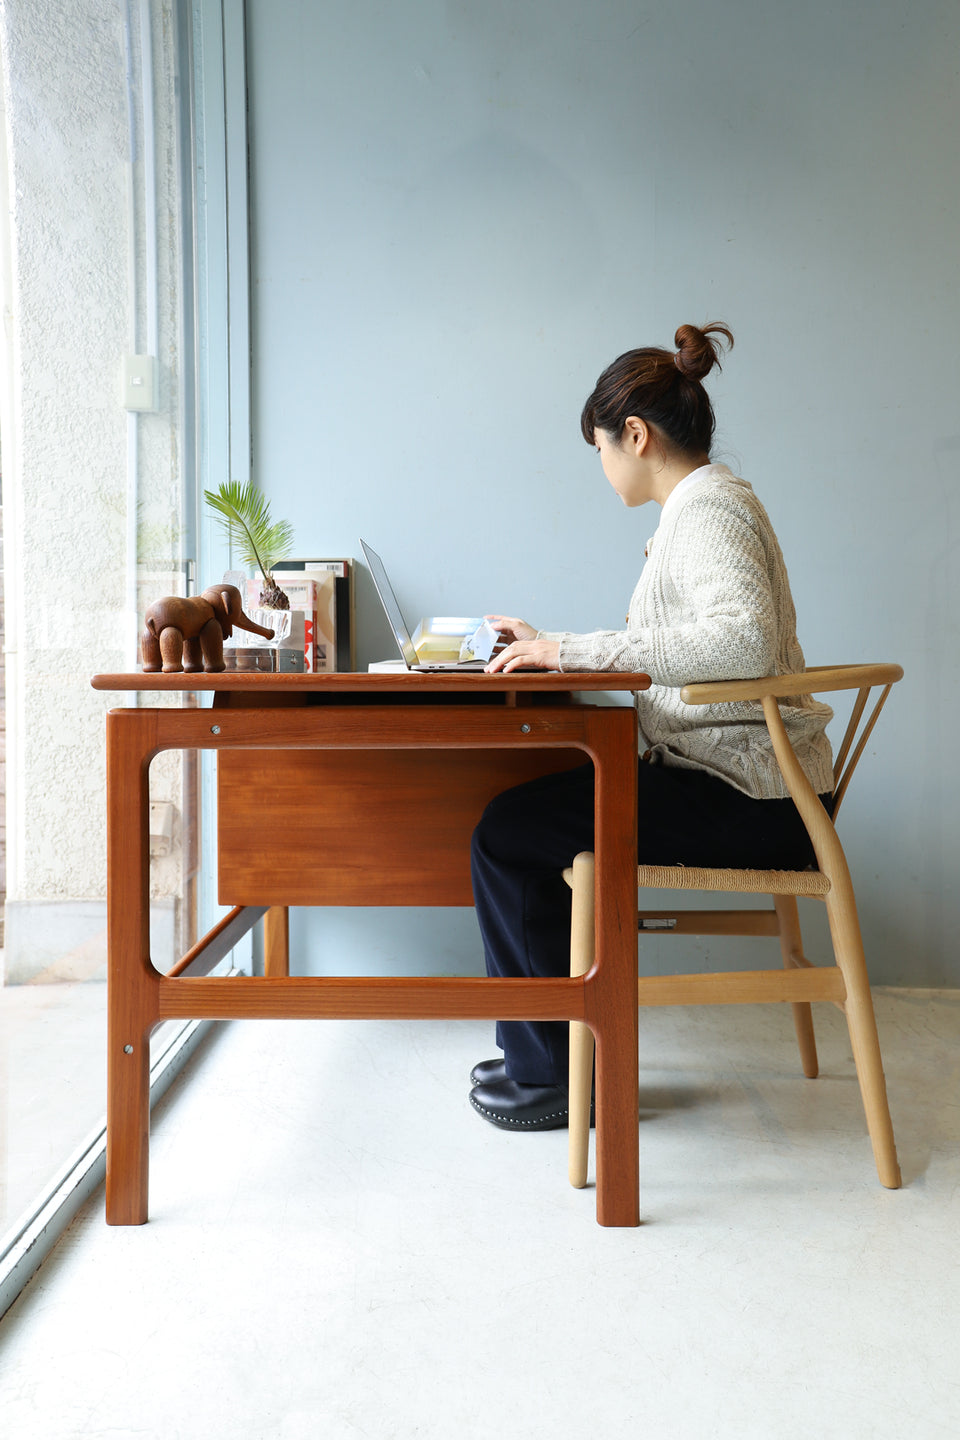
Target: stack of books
(323, 589)
(320, 638)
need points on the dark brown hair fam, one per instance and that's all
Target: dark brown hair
(661, 388)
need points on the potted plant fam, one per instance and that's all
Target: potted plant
(244, 515)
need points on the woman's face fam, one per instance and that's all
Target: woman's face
(624, 467)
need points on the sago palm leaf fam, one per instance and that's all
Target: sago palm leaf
(244, 515)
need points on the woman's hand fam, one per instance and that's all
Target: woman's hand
(532, 654)
(524, 650)
(512, 629)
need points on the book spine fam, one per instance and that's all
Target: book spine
(340, 568)
(344, 636)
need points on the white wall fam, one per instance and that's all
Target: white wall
(462, 212)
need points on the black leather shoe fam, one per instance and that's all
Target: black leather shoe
(511, 1106)
(488, 1070)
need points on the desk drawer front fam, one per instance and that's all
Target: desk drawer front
(371, 827)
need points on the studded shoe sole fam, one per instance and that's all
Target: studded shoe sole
(510, 1106)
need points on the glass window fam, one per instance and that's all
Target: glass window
(112, 397)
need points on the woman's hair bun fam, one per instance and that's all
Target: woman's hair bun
(696, 353)
(662, 387)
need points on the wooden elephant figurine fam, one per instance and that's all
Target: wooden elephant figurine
(188, 633)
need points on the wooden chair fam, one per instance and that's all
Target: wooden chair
(845, 982)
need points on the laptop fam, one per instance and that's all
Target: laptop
(398, 625)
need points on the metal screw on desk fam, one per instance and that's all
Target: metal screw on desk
(524, 729)
(128, 1049)
(214, 729)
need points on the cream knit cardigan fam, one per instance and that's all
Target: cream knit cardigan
(713, 603)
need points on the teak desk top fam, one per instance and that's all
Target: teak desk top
(416, 681)
(337, 765)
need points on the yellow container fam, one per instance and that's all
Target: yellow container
(438, 638)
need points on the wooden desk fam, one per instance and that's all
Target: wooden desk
(379, 779)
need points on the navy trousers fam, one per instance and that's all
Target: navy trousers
(528, 835)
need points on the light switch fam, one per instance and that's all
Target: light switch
(139, 382)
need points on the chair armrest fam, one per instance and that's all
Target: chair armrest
(815, 680)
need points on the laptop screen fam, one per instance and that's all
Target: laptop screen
(389, 602)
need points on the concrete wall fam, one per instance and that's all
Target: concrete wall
(86, 487)
(462, 212)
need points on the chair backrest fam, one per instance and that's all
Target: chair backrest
(843, 770)
(815, 680)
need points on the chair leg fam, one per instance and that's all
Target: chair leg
(581, 1085)
(862, 1024)
(582, 947)
(791, 947)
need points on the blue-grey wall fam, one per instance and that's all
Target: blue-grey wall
(461, 212)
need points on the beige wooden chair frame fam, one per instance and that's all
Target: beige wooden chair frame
(845, 983)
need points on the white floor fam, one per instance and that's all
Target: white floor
(338, 1247)
(53, 1078)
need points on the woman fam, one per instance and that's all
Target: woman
(713, 602)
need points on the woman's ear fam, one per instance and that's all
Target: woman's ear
(636, 435)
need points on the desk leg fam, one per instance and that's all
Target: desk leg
(133, 985)
(611, 990)
(276, 942)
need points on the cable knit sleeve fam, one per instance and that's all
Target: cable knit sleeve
(704, 607)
